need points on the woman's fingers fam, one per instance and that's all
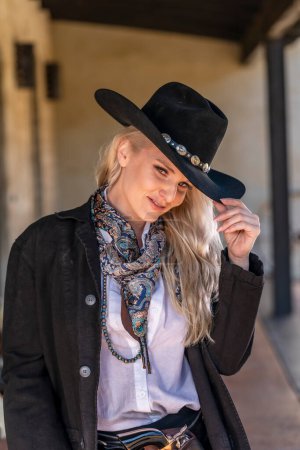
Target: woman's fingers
(241, 226)
(241, 218)
(234, 202)
(230, 206)
(235, 212)
(219, 207)
(232, 212)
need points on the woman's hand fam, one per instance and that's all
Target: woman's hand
(240, 228)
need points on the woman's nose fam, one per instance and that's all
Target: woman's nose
(169, 193)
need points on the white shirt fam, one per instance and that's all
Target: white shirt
(127, 395)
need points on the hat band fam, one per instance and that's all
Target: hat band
(182, 151)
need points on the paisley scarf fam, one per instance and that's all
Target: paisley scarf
(135, 270)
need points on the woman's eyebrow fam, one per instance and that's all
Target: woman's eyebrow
(168, 167)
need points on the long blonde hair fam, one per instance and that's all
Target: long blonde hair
(193, 243)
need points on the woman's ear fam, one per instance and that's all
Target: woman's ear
(123, 152)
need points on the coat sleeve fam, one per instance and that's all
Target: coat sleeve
(31, 413)
(235, 313)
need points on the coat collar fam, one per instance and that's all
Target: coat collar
(80, 213)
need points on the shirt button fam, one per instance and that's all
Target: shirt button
(85, 371)
(90, 300)
(141, 394)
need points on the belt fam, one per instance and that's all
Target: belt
(137, 438)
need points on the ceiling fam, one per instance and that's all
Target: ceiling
(246, 22)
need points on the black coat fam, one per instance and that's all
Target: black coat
(50, 332)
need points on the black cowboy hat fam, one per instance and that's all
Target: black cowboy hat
(186, 127)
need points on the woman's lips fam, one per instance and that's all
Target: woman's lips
(155, 205)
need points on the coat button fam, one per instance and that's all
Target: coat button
(90, 300)
(85, 371)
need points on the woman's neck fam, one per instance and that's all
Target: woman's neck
(113, 197)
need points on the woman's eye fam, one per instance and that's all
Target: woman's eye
(161, 169)
(185, 185)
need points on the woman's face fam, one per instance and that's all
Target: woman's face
(149, 184)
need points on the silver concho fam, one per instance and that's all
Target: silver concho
(166, 137)
(205, 167)
(195, 160)
(181, 149)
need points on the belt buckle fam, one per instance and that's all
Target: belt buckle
(138, 439)
(179, 439)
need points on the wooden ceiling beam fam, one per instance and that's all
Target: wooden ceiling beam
(181, 21)
(221, 12)
(258, 30)
(247, 22)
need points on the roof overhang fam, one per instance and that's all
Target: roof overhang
(246, 22)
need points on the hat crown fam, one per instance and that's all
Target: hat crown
(189, 118)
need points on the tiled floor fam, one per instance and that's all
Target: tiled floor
(268, 405)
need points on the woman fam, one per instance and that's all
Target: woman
(138, 271)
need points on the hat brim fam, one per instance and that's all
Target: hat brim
(214, 184)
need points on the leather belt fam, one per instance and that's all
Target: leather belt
(138, 438)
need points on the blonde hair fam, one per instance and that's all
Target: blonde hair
(192, 243)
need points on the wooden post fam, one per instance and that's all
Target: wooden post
(279, 177)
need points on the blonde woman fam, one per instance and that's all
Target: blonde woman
(121, 314)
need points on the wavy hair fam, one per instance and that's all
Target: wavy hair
(192, 245)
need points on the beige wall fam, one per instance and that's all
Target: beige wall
(22, 21)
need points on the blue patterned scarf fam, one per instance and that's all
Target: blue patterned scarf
(135, 270)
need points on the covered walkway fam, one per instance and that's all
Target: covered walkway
(268, 404)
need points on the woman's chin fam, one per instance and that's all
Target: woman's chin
(151, 216)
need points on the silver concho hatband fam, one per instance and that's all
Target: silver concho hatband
(182, 151)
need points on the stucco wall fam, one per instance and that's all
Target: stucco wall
(22, 21)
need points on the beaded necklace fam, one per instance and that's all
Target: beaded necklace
(104, 328)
